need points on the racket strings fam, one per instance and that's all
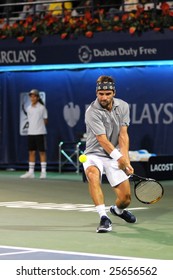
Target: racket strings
(149, 191)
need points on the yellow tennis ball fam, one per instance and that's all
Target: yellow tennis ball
(82, 158)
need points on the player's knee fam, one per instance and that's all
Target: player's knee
(92, 174)
(125, 201)
(92, 177)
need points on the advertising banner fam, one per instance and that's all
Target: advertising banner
(147, 90)
(103, 47)
(161, 167)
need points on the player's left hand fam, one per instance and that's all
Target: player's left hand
(129, 170)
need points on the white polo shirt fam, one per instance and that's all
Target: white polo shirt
(36, 116)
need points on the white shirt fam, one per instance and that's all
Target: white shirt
(36, 116)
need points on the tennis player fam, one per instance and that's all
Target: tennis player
(107, 145)
(37, 118)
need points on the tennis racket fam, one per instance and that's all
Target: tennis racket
(147, 190)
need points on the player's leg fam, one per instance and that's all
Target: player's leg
(119, 181)
(32, 156)
(123, 194)
(43, 163)
(93, 170)
(95, 190)
(41, 146)
(122, 201)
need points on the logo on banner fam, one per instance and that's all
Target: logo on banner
(24, 103)
(71, 114)
(85, 54)
(161, 167)
(18, 56)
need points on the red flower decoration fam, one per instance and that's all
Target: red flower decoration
(116, 18)
(132, 30)
(66, 26)
(3, 37)
(89, 34)
(33, 29)
(99, 28)
(64, 35)
(29, 19)
(165, 8)
(20, 38)
(117, 28)
(87, 15)
(156, 29)
(124, 17)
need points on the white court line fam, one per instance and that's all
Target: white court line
(54, 206)
(16, 253)
(32, 250)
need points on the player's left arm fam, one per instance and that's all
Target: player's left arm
(123, 142)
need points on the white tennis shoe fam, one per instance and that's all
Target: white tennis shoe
(43, 175)
(28, 175)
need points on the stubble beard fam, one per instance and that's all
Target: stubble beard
(105, 105)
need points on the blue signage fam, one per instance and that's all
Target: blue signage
(148, 91)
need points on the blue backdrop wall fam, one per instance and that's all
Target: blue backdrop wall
(148, 90)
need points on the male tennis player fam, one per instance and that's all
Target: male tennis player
(107, 145)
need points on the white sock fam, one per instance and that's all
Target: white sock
(43, 167)
(118, 210)
(101, 210)
(31, 167)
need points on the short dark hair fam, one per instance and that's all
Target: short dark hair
(105, 79)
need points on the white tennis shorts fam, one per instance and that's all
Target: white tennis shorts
(107, 166)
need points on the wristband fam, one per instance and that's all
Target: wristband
(115, 154)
